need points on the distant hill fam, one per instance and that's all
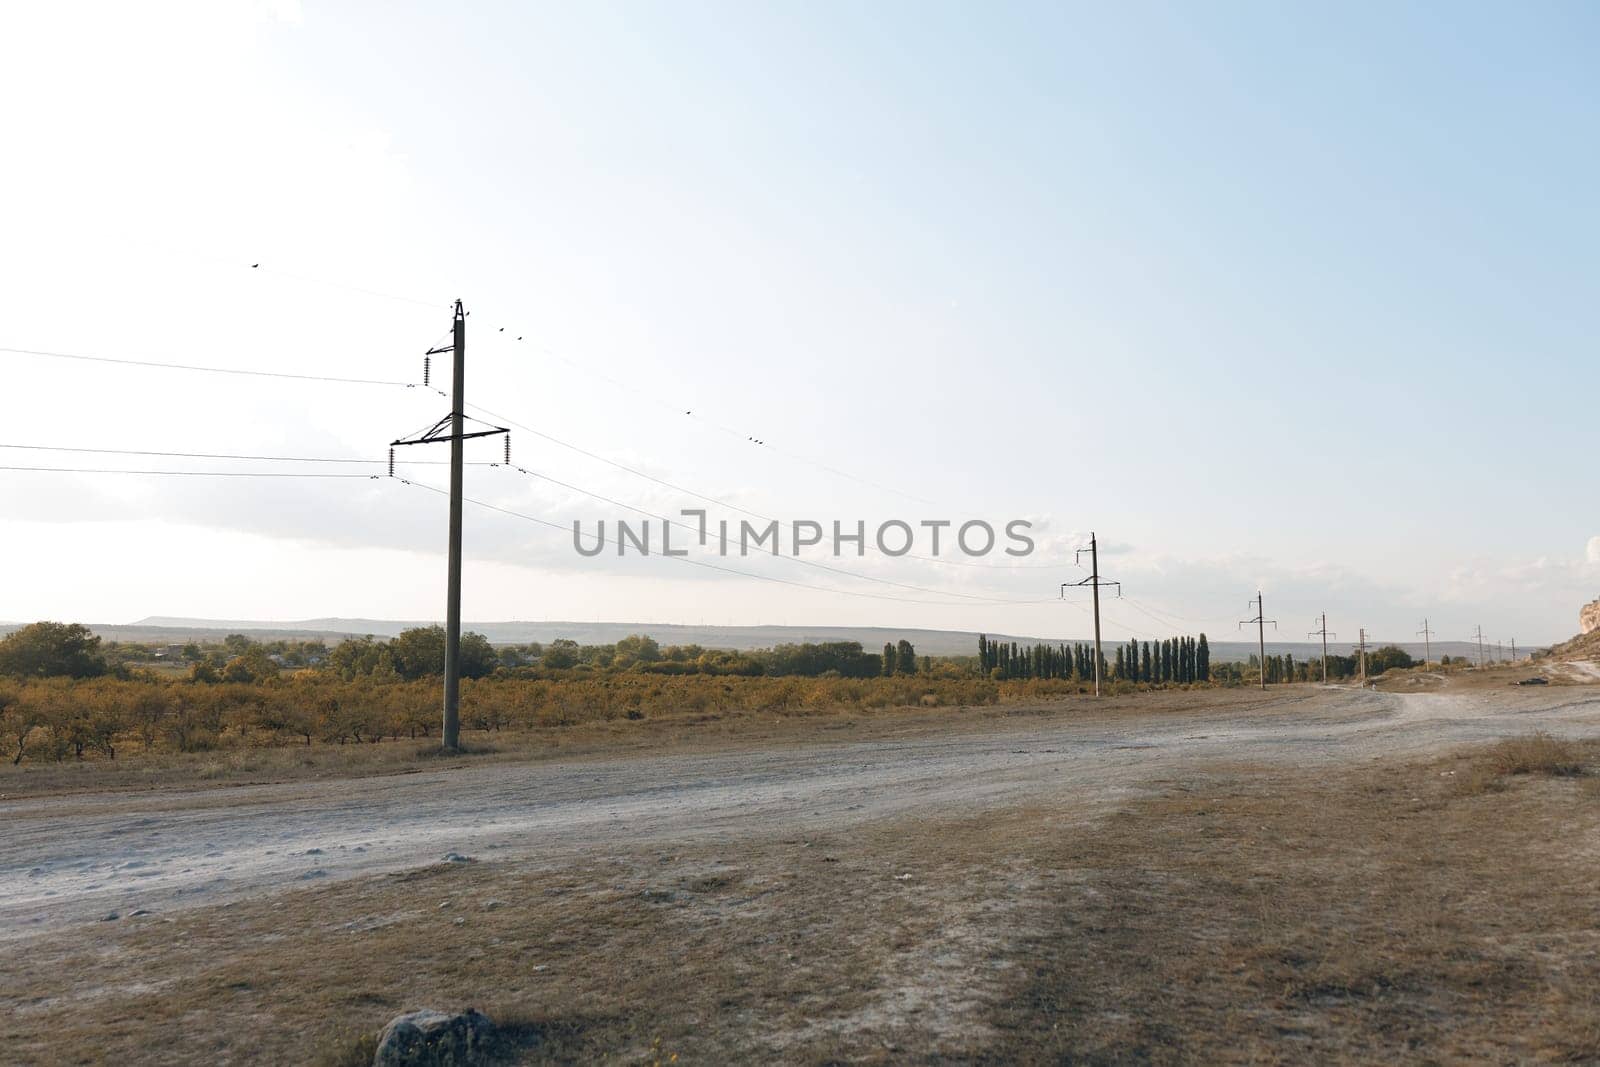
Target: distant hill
(928, 642)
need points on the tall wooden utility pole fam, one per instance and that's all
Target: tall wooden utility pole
(451, 428)
(1427, 643)
(452, 609)
(1325, 635)
(1095, 583)
(1363, 657)
(1261, 621)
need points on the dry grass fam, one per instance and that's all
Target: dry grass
(1376, 917)
(1536, 753)
(136, 770)
(1234, 915)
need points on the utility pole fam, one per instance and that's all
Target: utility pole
(1479, 637)
(1095, 583)
(1427, 643)
(1513, 650)
(1325, 635)
(1363, 658)
(1261, 633)
(457, 436)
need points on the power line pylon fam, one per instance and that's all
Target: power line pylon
(1261, 633)
(1479, 638)
(1095, 582)
(451, 428)
(1325, 635)
(1426, 634)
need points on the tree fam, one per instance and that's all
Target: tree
(888, 658)
(1387, 657)
(237, 644)
(636, 648)
(1202, 660)
(361, 656)
(905, 658)
(252, 665)
(418, 652)
(51, 649)
(560, 654)
(478, 657)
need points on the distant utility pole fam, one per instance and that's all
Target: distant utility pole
(1261, 621)
(1513, 650)
(1095, 583)
(1499, 652)
(1427, 643)
(1325, 635)
(1479, 637)
(456, 435)
(1363, 657)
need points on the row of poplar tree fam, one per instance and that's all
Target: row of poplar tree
(1175, 661)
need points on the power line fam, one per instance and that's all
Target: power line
(258, 268)
(205, 369)
(224, 455)
(192, 474)
(509, 421)
(1171, 616)
(521, 470)
(792, 559)
(689, 412)
(199, 368)
(702, 563)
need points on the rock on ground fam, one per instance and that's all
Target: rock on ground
(436, 1039)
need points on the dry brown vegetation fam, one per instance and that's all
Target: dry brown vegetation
(60, 719)
(1233, 914)
(241, 754)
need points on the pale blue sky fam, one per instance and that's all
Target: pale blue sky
(1291, 295)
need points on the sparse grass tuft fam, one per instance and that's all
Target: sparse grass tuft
(347, 1050)
(1536, 753)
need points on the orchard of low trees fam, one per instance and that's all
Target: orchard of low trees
(65, 694)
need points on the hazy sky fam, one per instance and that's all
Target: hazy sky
(1284, 296)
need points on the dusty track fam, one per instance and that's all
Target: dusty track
(69, 859)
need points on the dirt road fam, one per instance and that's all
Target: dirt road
(70, 859)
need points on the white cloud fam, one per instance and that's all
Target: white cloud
(1593, 552)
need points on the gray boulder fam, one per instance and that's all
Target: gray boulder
(436, 1039)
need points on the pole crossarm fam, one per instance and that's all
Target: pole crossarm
(440, 431)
